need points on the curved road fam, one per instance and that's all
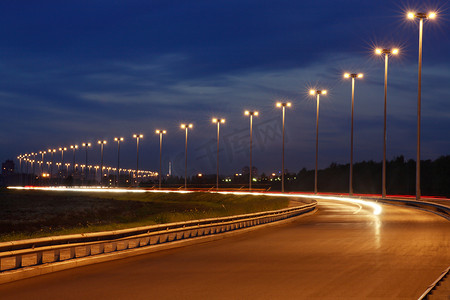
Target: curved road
(341, 252)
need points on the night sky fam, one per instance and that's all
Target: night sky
(78, 71)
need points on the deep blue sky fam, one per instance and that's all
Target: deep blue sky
(74, 71)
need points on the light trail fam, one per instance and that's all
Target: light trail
(376, 207)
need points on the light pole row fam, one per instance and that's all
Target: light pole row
(385, 51)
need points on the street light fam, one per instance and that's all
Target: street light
(421, 17)
(251, 114)
(218, 121)
(52, 151)
(387, 53)
(62, 149)
(73, 147)
(160, 132)
(86, 146)
(353, 76)
(186, 127)
(101, 143)
(137, 137)
(20, 157)
(317, 93)
(48, 166)
(96, 168)
(58, 165)
(33, 165)
(118, 140)
(283, 106)
(42, 165)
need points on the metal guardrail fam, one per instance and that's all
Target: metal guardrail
(441, 210)
(431, 291)
(19, 254)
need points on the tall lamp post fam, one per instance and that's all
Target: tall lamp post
(218, 121)
(62, 149)
(102, 144)
(387, 53)
(283, 106)
(118, 140)
(51, 151)
(160, 133)
(20, 157)
(86, 146)
(73, 147)
(186, 127)
(96, 168)
(251, 114)
(58, 165)
(42, 153)
(353, 76)
(137, 137)
(317, 93)
(421, 17)
(33, 165)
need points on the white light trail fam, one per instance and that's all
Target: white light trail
(376, 207)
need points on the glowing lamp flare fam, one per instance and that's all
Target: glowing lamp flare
(216, 120)
(253, 113)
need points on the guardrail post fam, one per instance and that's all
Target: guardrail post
(18, 261)
(72, 253)
(56, 255)
(39, 258)
(88, 250)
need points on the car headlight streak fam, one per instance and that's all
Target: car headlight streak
(376, 207)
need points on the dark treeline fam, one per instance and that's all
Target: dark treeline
(400, 178)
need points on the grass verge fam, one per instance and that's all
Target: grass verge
(31, 214)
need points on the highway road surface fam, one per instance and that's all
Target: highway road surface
(341, 252)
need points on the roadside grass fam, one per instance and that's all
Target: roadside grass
(32, 214)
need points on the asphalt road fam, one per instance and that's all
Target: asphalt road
(341, 252)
